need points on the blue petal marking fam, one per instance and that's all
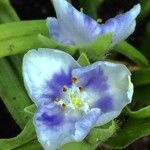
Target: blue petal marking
(56, 84)
(50, 120)
(105, 104)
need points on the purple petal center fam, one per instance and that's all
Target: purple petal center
(55, 85)
(51, 120)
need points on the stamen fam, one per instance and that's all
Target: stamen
(99, 20)
(65, 88)
(74, 80)
(81, 88)
(63, 106)
(81, 10)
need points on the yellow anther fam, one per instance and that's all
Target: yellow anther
(99, 20)
(74, 80)
(65, 88)
(63, 106)
(76, 101)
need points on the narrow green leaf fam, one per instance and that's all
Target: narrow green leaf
(140, 114)
(7, 13)
(100, 134)
(12, 93)
(141, 77)
(83, 60)
(77, 146)
(21, 36)
(27, 135)
(132, 130)
(19, 45)
(132, 53)
(32, 145)
(22, 28)
(16, 63)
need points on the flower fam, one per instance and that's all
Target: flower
(71, 99)
(74, 27)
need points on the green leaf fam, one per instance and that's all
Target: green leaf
(22, 28)
(132, 53)
(83, 60)
(7, 13)
(100, 134)
(12, 93)
(141, 77)
(77, 146)
(19, 45)
(16, 64)
(21, 36)
(30, 110)
(90, 7)
(132, 130)
(32, 145)
(140, 114)
(99, 47)
(26, 136)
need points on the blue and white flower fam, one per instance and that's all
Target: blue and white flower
(71, 99)
(74, 27)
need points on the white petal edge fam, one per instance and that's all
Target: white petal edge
(122, 98)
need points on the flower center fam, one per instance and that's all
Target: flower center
(73, 98)
(76, 101)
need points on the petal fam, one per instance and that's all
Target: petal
(53, 130)
(78, 27)
(53, 27)
(122, 26)
(108, 85)
(86, 123)
(45, 71)
(55, 32)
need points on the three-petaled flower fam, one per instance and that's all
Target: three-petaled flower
(74, 27)
(71, 99)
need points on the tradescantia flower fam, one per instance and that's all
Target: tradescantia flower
(74, 27)
(71, 99)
